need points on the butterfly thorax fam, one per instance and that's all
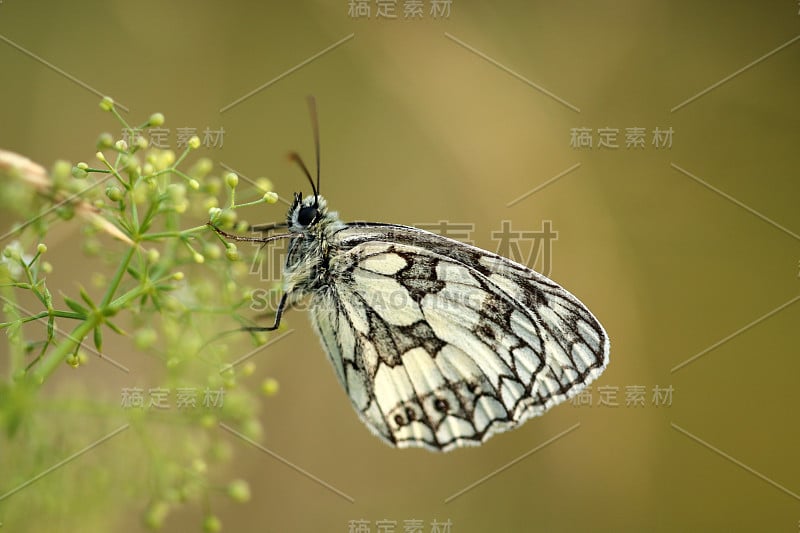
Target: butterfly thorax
(306, 268)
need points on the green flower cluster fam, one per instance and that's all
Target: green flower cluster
(160, 283)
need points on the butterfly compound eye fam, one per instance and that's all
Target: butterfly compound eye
(306, 215)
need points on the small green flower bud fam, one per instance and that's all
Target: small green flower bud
(101, 157)
(65, 212)
(165, 159)
(178, 276)
(145, 338)
(131, 164)
(198, 258)
(227, 218)
(264, 184)
(141, 143)
(232, 180)
(201, 168)
(213, 185)
(142, 191)
(194, 184)
(208, 421)
(248, 369)
(270, 197)
(270, 387)
(211, 251)
(153, 256)
(82, 165)
(61, 170)
(114, 193)
(105, 140)
(176, 192)
(168, 157)
(121, 145)
(156, 119)
(239, 490)
(78, 173)
(214, 214)
(46, 267)
(12, 251)
(42, 248)
(194, 142)
(252, 428)
(231, 252)
(156, 514)
(107, 103)
(212, 524)
(92, 247)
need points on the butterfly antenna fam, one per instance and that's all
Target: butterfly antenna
(312, 110)
(294, 156)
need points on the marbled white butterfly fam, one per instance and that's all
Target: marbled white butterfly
(439, 344)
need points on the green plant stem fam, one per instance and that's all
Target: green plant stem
(123, 300)
(16, 352)
(44, 314)
(173, 234)
(120, 118)
(57, 356)
(115, 281)
(180, 159)
(248, 204)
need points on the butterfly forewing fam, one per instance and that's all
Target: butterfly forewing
(440, 344)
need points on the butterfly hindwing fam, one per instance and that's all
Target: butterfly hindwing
(440, 344)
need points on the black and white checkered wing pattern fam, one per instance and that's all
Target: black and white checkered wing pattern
(440, 344)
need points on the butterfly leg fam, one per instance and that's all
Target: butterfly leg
(268, 227)
(277, 323)
(262, 240)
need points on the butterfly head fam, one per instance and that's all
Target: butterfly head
(306, 212)
(310, 212)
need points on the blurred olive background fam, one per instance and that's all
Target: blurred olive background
(417, 129)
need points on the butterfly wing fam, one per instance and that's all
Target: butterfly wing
(440, 344)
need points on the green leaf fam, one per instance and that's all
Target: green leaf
(98, 338)
(116, 328)
(86, 298)
(134, 273)
(156, 299)
(75, 306)
(48, 298)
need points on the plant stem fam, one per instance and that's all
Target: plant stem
(59, 354)
(172, 234)
(123, 267)
(16, 354)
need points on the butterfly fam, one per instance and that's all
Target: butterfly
(438, 344)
